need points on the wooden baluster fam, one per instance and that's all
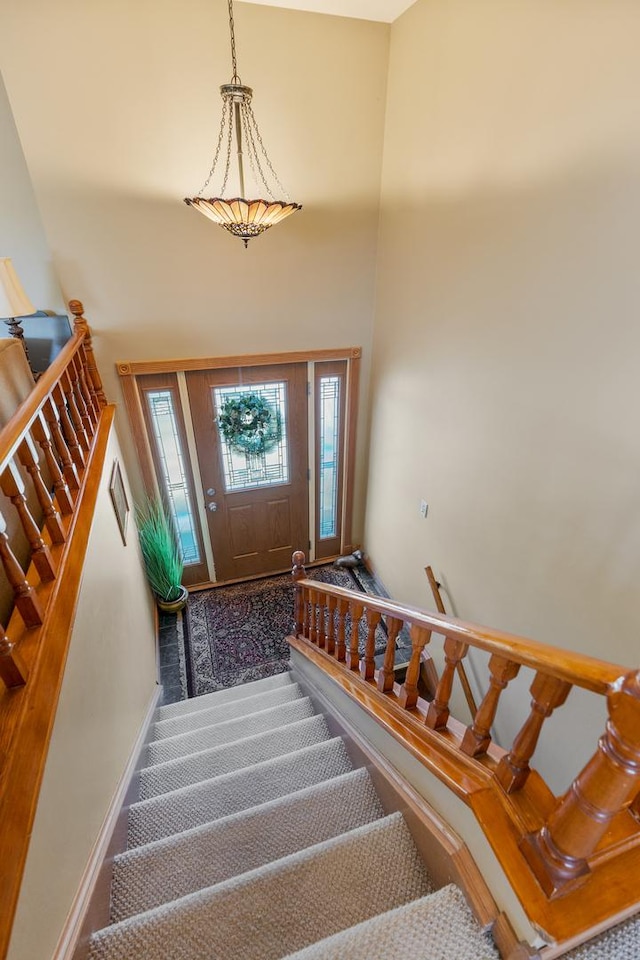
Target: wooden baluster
(305, 612)
(368, 666)
(13, 487)
(477, 737)
(606, 786)
(50, 413)
(41, 434)
(322, 638)
(24, 595)
(547, 693)
(313, 616)
(82, 326)
(331, 631)
(356, 610)
(13, 671)
(462, 673)
(67, 385)
(386, 676)
(28, 456)
(341, 644)
(90, 399)
(438, 713)
(74, 371)
(408, 696)
(298, 572)
(68, 428)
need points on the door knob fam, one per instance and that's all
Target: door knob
(211, 492)
(212, 506)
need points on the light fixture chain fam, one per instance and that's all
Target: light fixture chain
(235, 78)
(253, 155)
(264, 151)
(227, 166)
(217, 153)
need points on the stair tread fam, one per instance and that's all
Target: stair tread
(171, 868)
(434, 927)
(205, 764)
(226, 695)
(282, 904)
(227, 731)
(173, 726)
(210, 800)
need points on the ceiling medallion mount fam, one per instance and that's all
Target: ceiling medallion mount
(242, 217)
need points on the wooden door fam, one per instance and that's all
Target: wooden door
(257, 504)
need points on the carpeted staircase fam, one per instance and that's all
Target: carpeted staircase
(255, 838)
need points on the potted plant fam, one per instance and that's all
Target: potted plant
(161, 555)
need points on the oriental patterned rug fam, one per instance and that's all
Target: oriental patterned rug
(237, 634)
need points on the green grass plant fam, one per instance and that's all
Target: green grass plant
(160, 549)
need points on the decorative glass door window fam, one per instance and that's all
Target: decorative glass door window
(329, 455)
(241, 468)
(169, 450)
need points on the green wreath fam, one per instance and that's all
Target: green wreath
(249, 424)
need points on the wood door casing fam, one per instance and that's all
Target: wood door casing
(253, 530)
(193, 572)
(329, 546)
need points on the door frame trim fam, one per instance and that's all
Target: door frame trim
(129, 370)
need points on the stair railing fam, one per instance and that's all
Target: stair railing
(52, 452)
(566, 858)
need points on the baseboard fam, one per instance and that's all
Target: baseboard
(448, 857)
(90, 908)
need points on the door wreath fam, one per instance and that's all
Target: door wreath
(250, 424)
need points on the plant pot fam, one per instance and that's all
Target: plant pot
(173, 606)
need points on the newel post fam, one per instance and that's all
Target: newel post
(81, 325)
(606, 786)
(298, 572)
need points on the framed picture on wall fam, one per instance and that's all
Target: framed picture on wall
(119, 499)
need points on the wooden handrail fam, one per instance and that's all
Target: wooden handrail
(52, 453)
(575, 668)
(558, 854)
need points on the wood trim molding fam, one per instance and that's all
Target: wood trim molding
(128, 368)
(27, 714)
(351, 420)
(133, 404)
(87, 903)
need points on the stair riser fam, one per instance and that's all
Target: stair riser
(184, 809)
(175, 774)
(226, 711)
(165, 871)
(231, 730)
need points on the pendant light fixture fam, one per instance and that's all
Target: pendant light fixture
(242, 217)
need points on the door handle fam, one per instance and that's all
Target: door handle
(212, 506)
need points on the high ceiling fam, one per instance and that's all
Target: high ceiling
(384, 10)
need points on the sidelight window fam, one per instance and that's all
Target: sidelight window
(171, 460)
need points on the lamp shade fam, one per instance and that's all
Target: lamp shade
(13, 300)
(243, 218)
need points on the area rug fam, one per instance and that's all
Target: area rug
(237, 634)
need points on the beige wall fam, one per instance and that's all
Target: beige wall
(108, 685)
(22, 235)
(124, 127)
(505, 387)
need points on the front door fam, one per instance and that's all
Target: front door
(255, 485)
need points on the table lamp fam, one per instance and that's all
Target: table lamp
(14, 303)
